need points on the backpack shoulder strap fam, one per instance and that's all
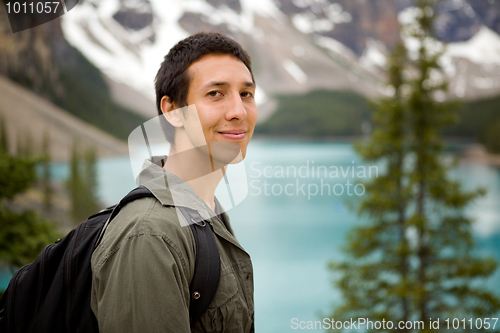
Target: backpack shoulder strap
(137, 193)
(206, 274)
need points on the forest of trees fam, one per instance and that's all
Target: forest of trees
(24, 232)
(413, 260)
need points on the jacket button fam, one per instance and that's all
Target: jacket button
(196, 295)
(249, 275)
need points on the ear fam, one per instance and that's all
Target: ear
(172, 113)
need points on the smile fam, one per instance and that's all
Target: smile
(233, 135)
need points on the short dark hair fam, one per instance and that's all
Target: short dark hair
(173, 80)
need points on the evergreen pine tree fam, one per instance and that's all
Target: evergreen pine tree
(82, 183)
(25, 144)
(19, 144)
(75, 185)
(90, 175)
(46, 181)
(414, 259)
(381, 248)
(4, 143)
(28, 143)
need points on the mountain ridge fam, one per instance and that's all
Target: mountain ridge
(100, 58)
(296, 45)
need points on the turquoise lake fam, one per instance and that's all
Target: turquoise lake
(292, 230)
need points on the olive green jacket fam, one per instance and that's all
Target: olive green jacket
(143, 266)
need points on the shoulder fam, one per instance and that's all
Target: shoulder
(151, 225)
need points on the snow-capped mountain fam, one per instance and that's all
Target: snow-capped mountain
(296, 45)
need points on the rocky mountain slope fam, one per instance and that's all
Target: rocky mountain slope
(296, 45)
(41, 60)
(28, 117)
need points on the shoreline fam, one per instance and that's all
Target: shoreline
(476, 153)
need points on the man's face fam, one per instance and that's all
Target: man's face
(222, 90)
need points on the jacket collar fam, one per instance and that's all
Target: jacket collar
(171, 190)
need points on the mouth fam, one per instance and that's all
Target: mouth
(233, 134)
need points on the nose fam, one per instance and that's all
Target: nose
(236, 108)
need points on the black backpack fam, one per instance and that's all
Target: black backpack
(52, 294)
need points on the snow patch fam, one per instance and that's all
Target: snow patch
(263, 8)
(374, 55)
(483, 47)
(408, 15)
(295, 71)
(334, 47)
(447, 64)
(126, 57)
(223, 15)
(319, 16)
(304, 22)
(333, 11)
(302, 3)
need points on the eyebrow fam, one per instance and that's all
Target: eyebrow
(224, 83)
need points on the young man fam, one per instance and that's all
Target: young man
(143, 267)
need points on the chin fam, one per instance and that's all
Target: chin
(227, 152)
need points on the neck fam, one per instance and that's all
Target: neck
(194, 166)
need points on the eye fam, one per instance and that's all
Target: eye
(246, 94)
(214, 93)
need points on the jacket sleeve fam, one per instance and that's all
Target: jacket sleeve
(142, 287)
